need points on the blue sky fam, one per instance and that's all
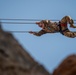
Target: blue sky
(49, 49)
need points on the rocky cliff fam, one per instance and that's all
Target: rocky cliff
(67, 67)
(14, 60)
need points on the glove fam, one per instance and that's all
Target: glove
(31, 32)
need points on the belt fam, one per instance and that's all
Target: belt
(60, 29)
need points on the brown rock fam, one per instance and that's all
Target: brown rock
(14, 60)
(67, 67)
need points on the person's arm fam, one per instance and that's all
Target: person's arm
(38, 33)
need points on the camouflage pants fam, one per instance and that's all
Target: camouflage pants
(70, 34)
(55, 28)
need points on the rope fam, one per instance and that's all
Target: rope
(22, 19)
(26, 19)
(20, 31)
(20, 22)
(14, 22)
(7, 21)
(30, 19)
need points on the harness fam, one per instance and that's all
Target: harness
(60, 28)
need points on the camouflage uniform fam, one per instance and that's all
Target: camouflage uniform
(61, 26)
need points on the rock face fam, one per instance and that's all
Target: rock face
(14, 60)
(67, 67)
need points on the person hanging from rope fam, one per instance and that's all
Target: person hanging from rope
(54, 27)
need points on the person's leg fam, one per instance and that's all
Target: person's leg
(66, 19)
(70, 34)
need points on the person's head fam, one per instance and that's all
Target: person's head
(40, 24)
